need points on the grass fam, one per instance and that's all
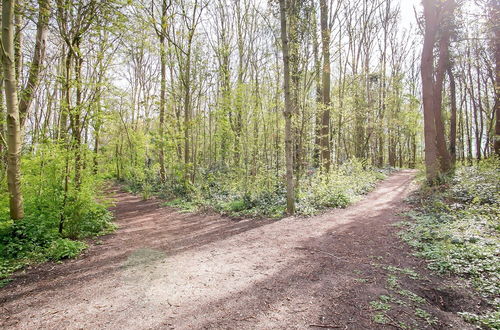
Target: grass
(380, 306)
(455, 227)
(405, 271)
(412, 296)
(431, 320)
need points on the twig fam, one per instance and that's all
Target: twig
(330, 254)
(325, 326)
(245, 319)
(317, 250)
(172, 305)
(393, 323)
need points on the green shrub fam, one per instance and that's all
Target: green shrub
(234, 192)
(237, 205)
(36, 237)
(64, 248)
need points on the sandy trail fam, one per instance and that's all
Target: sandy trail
(164, 269)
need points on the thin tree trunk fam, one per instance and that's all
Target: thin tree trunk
(76, 121)
(28, 93)
(325, 118)
(317, 74)
(163, 90)
(453, 117)
(495, 20)
(288, 113)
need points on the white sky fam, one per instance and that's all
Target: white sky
(407, 12)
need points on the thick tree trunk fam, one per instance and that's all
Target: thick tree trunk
(288, 113)
(427, 72)
(443, 62)
(13, 123)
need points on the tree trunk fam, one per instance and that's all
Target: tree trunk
(75, 118)
(288, 113)
(317, 75)
(27, 94)
(325, 118)
(443, 62)
(495, 21)
(453, 117)
(13, 123)
(427, 72)
(163, 90)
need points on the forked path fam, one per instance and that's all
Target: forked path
(164, 269)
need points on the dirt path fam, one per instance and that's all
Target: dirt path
(163, 269)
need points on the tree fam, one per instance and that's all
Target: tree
(161, 32)
(495, 21)
(28, 93)
(289, 110)
(74, 21)
(325, 118)
(453, 115)
(13, 122)
(444, 32)
(436, 14)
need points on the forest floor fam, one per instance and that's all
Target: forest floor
(164, 269)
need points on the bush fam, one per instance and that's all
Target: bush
(339, 188)
(63, 248)
(235, 193)
(36, 237)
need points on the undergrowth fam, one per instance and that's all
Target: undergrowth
(455, 226)
(238, 194)
(36, 237)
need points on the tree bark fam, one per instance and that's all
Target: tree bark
(495, 20)
(28, 93)
(288, 113)
(163, 89)
(427, 72)
(325, 118)
(13, 123)
(443, 62)
(453, 116)
(317, 75)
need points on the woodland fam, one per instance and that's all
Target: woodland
(250, 109)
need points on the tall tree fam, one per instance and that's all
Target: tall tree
(161, 32)
(453, 115)
(13, 122)
(444, 33)
(28, 93)
(495, 22)
(437, 16)
(325, 118)
(289, 110)
(427, 72)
